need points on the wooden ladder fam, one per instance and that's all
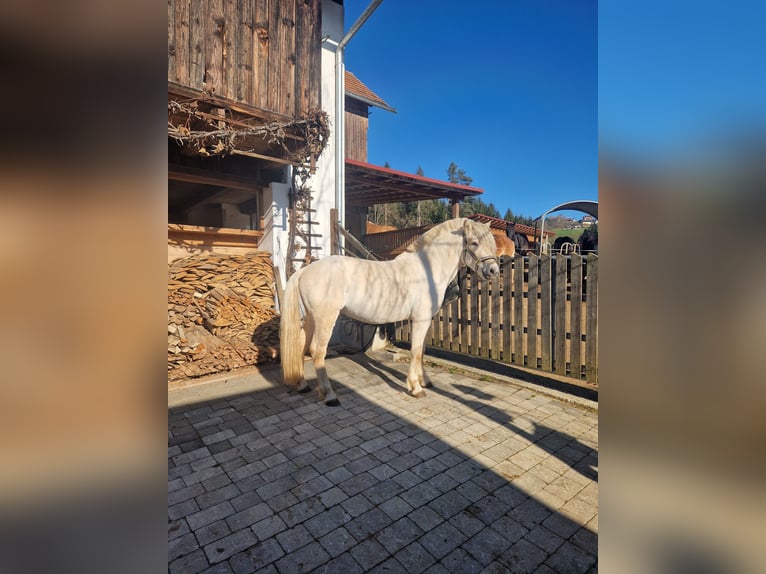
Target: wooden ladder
(300, 235)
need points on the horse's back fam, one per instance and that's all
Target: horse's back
(371, 291)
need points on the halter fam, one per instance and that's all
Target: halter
(475, 258)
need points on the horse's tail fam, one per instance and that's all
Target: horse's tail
(291, 335)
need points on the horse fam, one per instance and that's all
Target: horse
(520, 240)
(503, 245)
(410, 286)
(588, 241)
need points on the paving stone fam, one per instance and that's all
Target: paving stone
(407, 479)
(426, 518)
(337, 541)
(182, 545)
(282, 501)
(182, 509)
(189, 563)
(211, 514)
(449, 504)
(524, 557)
(229, 545)
(544, 539)
(395, 507)
(294, 538)
(399, 534)
(461, 561)
(214, 497)
(368, 523)
(561, 525)
(249, 516)
(414, 557)
(302, 560)
(368, 553)
(220, 568)
(442, 540)
(212, 532)
(343, 564)
(301, 511)
(486, 546)
(420, 494)
(332, 496)
(257, 557)
(356, 505)
(268, 527)
(327, 521)
(186, 493)
(177, 528)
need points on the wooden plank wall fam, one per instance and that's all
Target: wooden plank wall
(265, 53)
(540, 313)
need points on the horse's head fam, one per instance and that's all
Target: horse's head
(479, 249)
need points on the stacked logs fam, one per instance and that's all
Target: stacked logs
(220, 314)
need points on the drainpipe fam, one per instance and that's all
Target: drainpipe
(340, 108)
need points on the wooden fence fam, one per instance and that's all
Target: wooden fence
(541, 312)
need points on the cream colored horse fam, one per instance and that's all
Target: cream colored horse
(410, 286)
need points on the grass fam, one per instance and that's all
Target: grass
(573, 233)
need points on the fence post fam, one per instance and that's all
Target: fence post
(496, 319)
(532, 313)
(518, 310)
(591, 314)
(575, 342)
(560, 317)
(546, 328)
(507, 274)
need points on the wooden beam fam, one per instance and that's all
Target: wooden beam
(207, 177)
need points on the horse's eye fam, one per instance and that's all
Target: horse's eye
(475, 243)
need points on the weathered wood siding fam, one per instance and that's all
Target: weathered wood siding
(356, 130)
(540, 313)
(264, 53)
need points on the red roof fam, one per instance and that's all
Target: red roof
(355, 88)
(497, 223)
(368, 184)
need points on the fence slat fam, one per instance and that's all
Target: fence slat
(532, 313)
(474, 348)
(518, 310)
(507, 317)
(484, 316)
(560, 317)
(546, 329)
(496, 300)
(575, 353)
(465, 316)
(591, 320)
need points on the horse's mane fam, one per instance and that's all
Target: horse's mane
(432, 234)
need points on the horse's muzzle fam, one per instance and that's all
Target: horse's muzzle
(489, 268)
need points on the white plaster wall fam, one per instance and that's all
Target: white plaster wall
(275, 228)
(323, 181)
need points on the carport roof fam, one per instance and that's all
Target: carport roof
(368, 184)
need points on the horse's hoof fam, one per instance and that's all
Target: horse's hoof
(332, 403)
(305, 389)
(419, 394)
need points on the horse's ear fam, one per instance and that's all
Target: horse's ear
(468, 229)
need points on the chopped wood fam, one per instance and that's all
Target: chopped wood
(220, 314)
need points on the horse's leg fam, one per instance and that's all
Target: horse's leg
(415, 376)
(322, 333)
(308, 345)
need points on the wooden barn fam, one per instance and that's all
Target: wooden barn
(244, 105)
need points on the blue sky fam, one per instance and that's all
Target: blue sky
(508, 92)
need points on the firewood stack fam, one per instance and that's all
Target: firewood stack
(220, 314)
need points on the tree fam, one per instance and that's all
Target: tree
(457, 175)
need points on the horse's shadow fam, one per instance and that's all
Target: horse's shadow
(547, 438)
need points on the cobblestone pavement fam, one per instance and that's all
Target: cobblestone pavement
(480, 476)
